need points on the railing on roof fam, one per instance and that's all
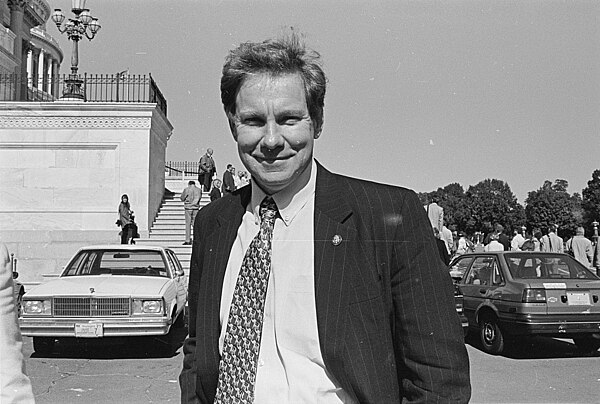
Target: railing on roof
(97, 88)
(179, 168)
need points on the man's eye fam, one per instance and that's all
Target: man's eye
(291, 120)
(253, 121)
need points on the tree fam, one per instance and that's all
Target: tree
(492, 201)
(591, 201)
(551, 203)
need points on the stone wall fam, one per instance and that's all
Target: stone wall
(63, 169)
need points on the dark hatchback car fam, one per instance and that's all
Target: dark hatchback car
(507, 295)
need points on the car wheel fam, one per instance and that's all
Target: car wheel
(490, 335)
(587, 344)
(180, 321)
(43, 345)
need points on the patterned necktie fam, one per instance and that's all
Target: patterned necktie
(237, 369)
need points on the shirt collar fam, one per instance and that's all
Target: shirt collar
(290, 200)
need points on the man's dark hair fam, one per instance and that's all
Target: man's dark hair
(275, 57)
(191, 183)
(229, 166)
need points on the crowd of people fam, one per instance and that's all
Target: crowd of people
(457, 243)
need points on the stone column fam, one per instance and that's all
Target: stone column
(55, 79)
(17, 9)
(48, 74)
(40, 77)
(29, 66)
(35, 67)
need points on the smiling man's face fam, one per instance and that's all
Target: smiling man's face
(273, 129)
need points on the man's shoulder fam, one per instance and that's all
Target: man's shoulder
(355, 183)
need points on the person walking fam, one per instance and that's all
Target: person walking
(228, 182)
(551, 242)
(206, 170)
(191, 203)
(494, 244)
(441, 245)
(581, 248)
(125, 220)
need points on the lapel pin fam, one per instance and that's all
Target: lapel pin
(337, 239)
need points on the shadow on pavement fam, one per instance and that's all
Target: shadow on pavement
(537, 348)
(118, 347)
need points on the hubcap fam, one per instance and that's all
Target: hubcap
(489, 333)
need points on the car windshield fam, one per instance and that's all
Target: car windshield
(117, 262)
(545, 266)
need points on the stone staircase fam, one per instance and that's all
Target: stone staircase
(168, 229)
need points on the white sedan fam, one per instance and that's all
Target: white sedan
(108, 291)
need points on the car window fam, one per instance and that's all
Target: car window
(497, 278)
(481, 271)
(545, 266)
(172, 263)
(176, 262)
(461, 264)
(118, 262)
(83, 264)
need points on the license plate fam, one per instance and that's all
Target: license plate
(578, 299)
(89, 330)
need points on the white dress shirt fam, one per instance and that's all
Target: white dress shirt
(290, 364)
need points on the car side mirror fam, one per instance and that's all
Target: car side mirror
(179, 272)
(15, 275)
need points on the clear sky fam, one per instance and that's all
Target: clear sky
(421, 93)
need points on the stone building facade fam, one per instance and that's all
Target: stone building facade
(26, 48)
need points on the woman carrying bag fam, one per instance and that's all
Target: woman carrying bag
(125, 220)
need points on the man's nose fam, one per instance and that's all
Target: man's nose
(273, 138)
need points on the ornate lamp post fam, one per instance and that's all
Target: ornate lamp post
(76, 28)
(595, 236)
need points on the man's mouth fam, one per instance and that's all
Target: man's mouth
(271, 160)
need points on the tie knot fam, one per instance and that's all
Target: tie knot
(268, 210)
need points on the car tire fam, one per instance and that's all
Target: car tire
(490, 335)
(587, 344)
(43, 345)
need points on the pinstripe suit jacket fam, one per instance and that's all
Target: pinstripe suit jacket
(388, 328)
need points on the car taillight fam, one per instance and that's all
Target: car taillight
(534, 296)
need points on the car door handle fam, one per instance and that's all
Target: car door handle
(482, 291)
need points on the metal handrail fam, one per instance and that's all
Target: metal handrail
(183, 167)
(96, 87)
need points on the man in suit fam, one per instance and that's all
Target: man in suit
(358, 306)
(206, 170)
(228, 182)
(191, 197)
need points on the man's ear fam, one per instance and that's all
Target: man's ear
(317, 132)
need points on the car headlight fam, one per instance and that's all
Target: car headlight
(148, 306)
(42, 307)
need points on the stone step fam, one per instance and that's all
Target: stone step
(167, 231)
(171, 214)
(169, 237)
(164, 242)
(169, 223)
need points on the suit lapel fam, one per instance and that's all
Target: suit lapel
(335, 239)
(215, 257)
